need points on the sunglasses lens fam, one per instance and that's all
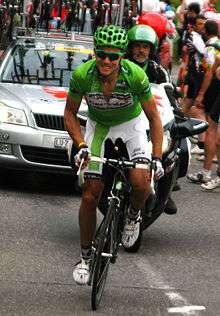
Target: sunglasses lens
(101, 54)
(111, 56)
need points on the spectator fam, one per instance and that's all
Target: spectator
(209, 95)
(195, 70)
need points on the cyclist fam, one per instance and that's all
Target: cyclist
(118, 95)
(142, 48)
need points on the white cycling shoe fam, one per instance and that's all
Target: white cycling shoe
(81, 273)
(131, 231)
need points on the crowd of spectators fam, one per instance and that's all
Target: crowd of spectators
(199, 79)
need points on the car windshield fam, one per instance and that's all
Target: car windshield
(45, 63)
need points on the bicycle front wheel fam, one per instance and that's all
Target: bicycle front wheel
(102, 257)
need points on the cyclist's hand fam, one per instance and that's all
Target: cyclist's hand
(83, 153)
(159, 171)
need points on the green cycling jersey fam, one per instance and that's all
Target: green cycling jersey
(132, 88)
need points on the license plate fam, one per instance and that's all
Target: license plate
(61, 142)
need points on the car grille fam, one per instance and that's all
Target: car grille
(55, 122)
(45, 155)
(49, 121)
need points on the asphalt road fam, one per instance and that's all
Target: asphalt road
(176, 272)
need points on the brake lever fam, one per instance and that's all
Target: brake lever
(153, 166)
(80, 166)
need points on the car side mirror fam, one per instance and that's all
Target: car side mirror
(188, 127)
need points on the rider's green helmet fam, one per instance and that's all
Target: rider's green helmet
(111, 36)
(143, 33)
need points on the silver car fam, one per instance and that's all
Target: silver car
(34, 79)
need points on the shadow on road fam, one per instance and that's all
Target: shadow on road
(44, 183)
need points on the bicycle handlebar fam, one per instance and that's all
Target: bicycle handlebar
(125, 164)
(117, 163)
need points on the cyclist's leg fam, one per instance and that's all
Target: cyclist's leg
(138, 150)
(92, 188)
(140, 182)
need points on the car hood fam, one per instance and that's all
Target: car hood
(37, 99)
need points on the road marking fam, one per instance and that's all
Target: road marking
(155, 280)
(185, 309)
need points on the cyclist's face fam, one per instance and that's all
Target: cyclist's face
(140, 51)
(104, 62)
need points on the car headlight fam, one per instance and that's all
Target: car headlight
(11, 115)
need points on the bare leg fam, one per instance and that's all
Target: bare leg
(140, 181)
(218, 149)
(198, 113)
(87, 212)
(186, 105)
(210, 144)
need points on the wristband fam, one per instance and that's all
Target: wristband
(82, 145)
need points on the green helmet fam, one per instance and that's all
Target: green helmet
(111, 36)
(143, 33)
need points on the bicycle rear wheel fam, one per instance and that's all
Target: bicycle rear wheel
(103, 245)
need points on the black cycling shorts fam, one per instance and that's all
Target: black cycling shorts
(212, 100)
(194, 81)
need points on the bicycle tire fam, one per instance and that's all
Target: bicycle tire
(103, 243)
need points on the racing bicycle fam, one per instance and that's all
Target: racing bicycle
(109, 233)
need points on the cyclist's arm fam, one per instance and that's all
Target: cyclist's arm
(156, 127)
(71, 120)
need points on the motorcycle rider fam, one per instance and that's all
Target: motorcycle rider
(142, 49)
